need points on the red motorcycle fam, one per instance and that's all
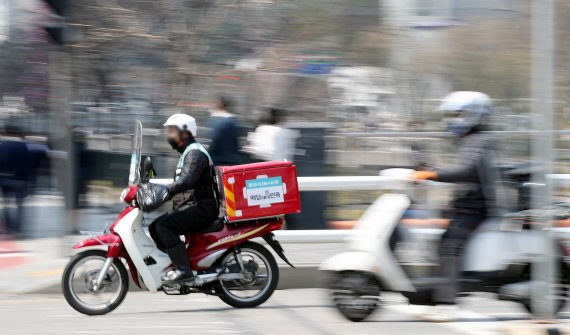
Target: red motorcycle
(226, 262)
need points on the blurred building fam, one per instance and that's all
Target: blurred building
(4, 20)
(457, 9)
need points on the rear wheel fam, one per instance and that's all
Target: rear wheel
(79, 288)
(560, 296)
(355, 294)
(260, 276)
(560, 291)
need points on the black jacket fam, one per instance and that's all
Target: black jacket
(224, 133)
(14, 163)
(474, 175)
(195, 184)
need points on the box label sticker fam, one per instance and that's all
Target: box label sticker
(264, 191)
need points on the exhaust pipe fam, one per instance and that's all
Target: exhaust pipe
(206, 278)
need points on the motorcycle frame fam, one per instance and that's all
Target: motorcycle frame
(127, 239)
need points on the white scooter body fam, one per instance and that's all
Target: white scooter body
(140, 246)
(492, 248)
(369, 247)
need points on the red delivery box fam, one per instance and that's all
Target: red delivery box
(259, 190)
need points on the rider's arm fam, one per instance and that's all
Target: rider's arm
(457, 173)
(465, 168)
(194, 164)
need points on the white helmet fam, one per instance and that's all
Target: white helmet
(182, 122)
(471, 109)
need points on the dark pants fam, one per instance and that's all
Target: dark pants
(167, 228)
(451, 250)
(13, 218)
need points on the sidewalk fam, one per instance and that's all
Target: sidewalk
(29, 265)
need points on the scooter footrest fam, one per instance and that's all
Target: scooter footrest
(172, 289)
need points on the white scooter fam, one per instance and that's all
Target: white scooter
(383, 256)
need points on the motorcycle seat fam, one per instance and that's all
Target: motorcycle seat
(216, 226)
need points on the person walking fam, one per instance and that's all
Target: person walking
(14, 167)
(224, 133)
(271, 140)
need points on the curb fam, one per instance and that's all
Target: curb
(537, 328)
(289, 278)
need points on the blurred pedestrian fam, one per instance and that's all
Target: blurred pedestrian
(38, 159)
(475, 176)
(271, 140)
(224, 133)
(80, 167)
(14, 168)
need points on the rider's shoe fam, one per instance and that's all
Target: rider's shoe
(183, 272)
(177, 276)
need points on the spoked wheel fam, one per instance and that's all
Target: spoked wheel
(355, 294)
(79, 283)
(259, 278)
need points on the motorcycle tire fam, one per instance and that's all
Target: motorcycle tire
(563, 293)
(355, 294)
(272, 266)
(72, 298)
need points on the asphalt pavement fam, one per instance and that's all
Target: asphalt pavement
(302, 311)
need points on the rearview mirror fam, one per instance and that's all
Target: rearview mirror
(148, 168)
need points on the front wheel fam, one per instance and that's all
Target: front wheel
(355, 294)
(259, 280)
(79, 288)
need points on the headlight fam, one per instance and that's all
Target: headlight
(124, 194)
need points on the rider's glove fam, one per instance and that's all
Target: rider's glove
(424, 175)
(151, 196)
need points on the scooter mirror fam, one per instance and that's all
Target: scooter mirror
(148, 168)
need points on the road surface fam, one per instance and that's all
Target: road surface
(302, 311)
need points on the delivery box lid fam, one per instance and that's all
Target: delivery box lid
(254, 166)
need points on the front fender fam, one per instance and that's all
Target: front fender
(351, 261)
(114, 246)
(385, 268)
(110, 241)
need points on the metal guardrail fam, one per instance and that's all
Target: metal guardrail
(443, 134)
(338, 183)
(353, 183)
(345, 183)
(313, 236)
(342, 235)
(561, 179)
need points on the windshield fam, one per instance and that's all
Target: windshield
(135, 171)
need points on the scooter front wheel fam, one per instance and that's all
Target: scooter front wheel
(355, 294)
(80, 288)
